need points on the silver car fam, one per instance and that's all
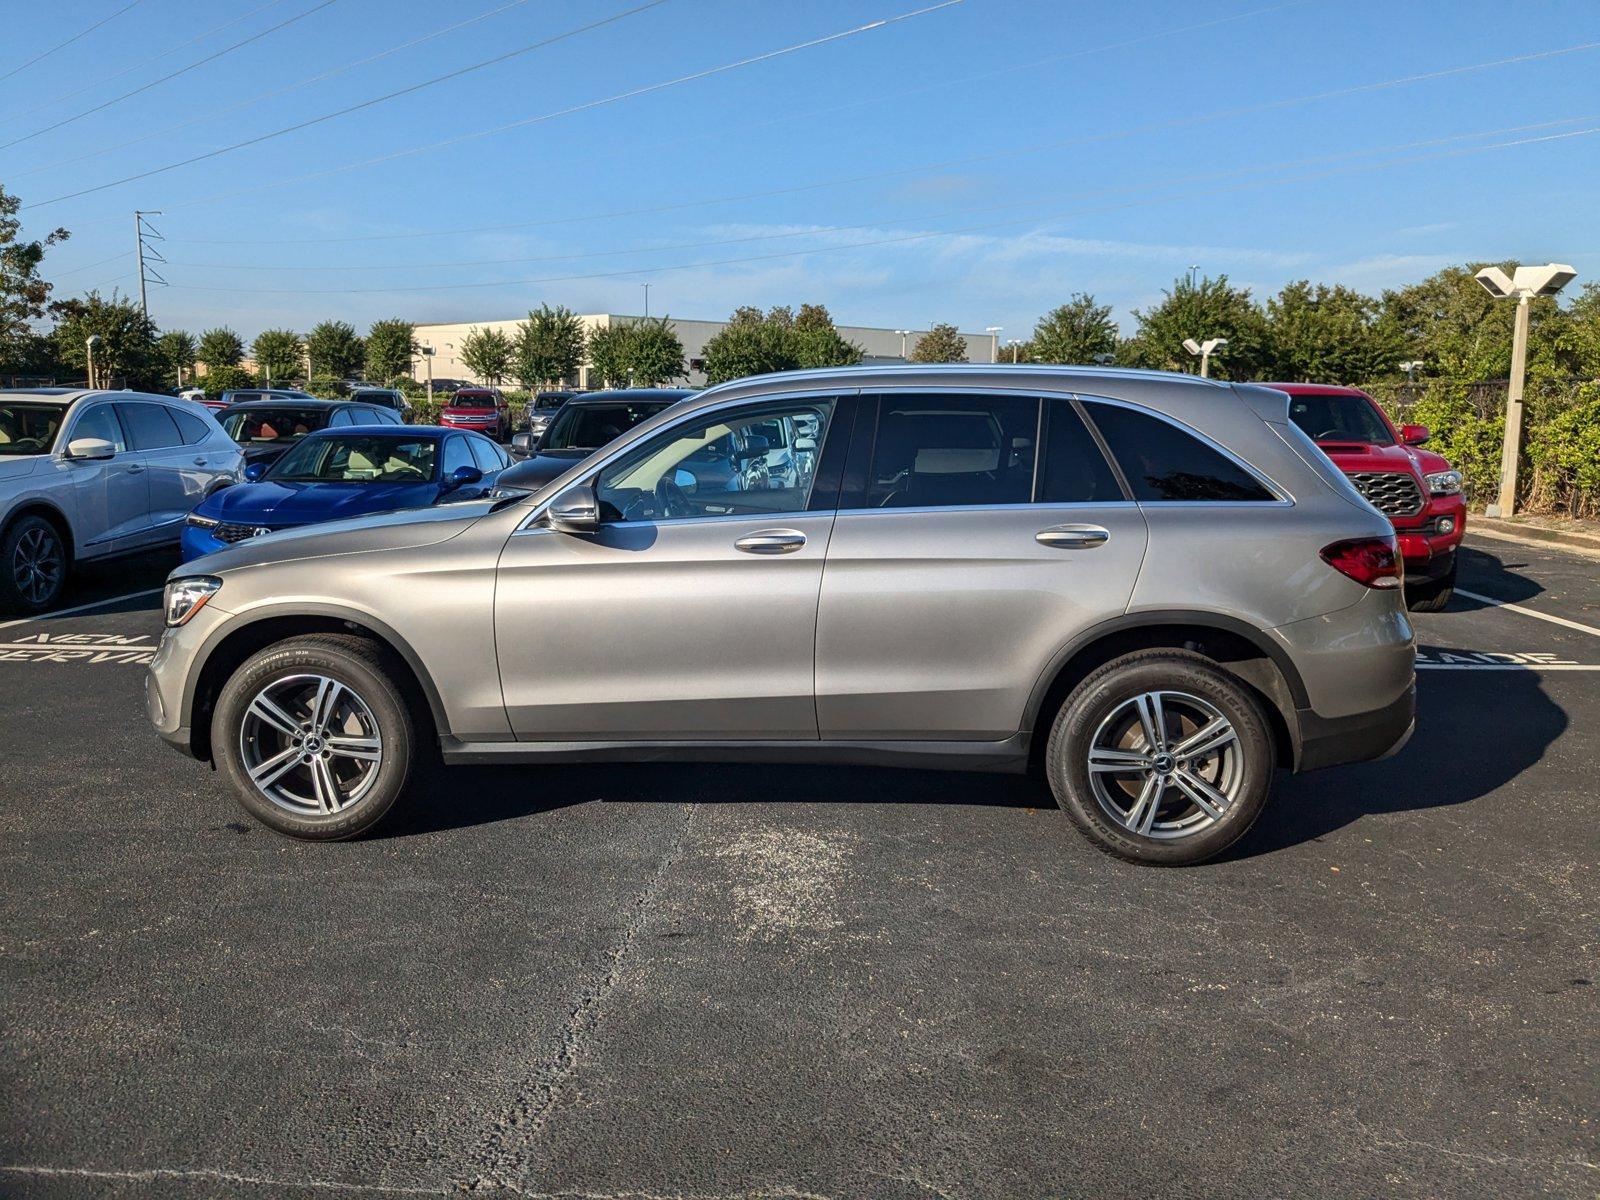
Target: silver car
(1153, 588)
(89, 474)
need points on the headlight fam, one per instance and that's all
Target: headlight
(1445, 483)
(505, 493)
(185, 597)
(199, 522)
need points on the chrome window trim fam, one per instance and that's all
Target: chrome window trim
(1284, 498)
(1020, 506)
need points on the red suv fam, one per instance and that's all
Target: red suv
(483, 410)
(1416, 489)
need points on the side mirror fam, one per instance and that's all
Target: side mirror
(91, 449)
(522, 443)
(1414, 435)
(462, 477)
(254, 471)
(755, 446)
(576, 510)
(805, 443)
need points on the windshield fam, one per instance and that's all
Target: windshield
(1339, 419)
(273, 424)
(29, 428)
(359, 458)
(472, 400)
(590, 426)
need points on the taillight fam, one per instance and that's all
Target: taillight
(1374, 562)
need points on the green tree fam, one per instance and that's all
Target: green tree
(177, 351)
(488, 354)
(334, 350)
(652, 353)
(549, 346)
(757, 343)
(127, 346)
(391, 348)
(24, 295)
(1460, 331)
(1325, 334)
(220, 347)
(941, 344)
(816, 341)
(1073, 333)
(1585, 317)
(607, 351)
(1204, 309)
(277, 353)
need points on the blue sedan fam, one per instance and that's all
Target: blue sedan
(349, 472)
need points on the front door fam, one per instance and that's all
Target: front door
(691, 613)
(964, 561)
(111, 496)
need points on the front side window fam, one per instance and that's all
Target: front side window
(98, 422)
(357, 458)
(1162, 462)
(953, 451)
(149, 426)
(750, 462)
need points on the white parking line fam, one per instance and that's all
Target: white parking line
(1528, 612)
(67, 612)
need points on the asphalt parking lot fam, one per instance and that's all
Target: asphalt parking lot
(749, 981)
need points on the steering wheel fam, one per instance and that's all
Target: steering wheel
(672, 500)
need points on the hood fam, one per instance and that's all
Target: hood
(264, 453)
(539, 470)
(272, 503)
(1363, 456)
(406, 529)
(20, 465)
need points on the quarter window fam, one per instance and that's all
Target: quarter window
(953, 451)
(1074, 470)
(149, 426)
(457, 454)
(753, 462)
(194, 429)
(486, 453)
(1162, 462)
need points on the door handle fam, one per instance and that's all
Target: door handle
(200, 462)
(771, 541)
(1072, 537)
(135, 468)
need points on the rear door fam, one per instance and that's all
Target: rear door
(978, 533)
(153, 431)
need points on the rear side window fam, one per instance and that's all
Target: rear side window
(340, 417)
(953, 451)
(1162, 462)
(149, 426)
(487, 455)
(1074, 470)
(193, 429)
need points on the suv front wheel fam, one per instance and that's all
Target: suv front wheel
(1161, 757)
(316, 736)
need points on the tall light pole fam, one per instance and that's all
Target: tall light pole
(89, 344)
(904, 334)
(1523, 284)
(1016, 350)
(1204, 351)
(1411, 368)
(427, 356)
(994, 341)
(646, 299)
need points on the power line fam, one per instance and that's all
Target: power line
(75, 37)
(831, 229)
(898, 239)
(692, 77)
(165, 78)
(57, 276)
(376, 100)
(212, 115)
(101, 80)
(842, 181)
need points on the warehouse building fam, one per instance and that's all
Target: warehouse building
(880, 346)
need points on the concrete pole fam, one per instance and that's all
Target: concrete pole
(1512, 448)
(1205, 364)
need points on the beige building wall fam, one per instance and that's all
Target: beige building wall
(879, 346)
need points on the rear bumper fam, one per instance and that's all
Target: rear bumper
(1363, 737)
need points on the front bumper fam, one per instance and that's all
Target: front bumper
(196, 542)
(1427, 546)
(169, 683)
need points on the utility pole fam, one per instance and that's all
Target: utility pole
(140, 232)
(646, 301)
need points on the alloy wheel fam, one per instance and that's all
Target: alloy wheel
(37, 564)
(310, 745)
(1165, 765)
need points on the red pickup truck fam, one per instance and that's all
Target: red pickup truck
(1416, 489)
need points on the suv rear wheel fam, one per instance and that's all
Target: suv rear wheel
(316, 736)
(1161, 757)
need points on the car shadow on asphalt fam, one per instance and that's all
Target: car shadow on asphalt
(1498, 576)
(1476, 732)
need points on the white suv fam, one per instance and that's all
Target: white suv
(89, 474)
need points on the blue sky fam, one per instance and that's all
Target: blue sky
(977, 163)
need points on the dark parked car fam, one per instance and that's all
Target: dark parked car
(245, 395)
(585, 423)
(540, 413)
(391, 398)
(264, 429)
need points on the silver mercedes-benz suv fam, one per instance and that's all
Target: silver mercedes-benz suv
(1152, 587)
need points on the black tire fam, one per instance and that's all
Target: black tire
(1102, 695)
(34, 564)
(356, 664)
(1433, 596)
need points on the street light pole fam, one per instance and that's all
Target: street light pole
(427, 356)
(1523, 284)
(994, 341)
(88, 346)
(647, 301)
(1204, 350)
(1016, 350)
(904, 334)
